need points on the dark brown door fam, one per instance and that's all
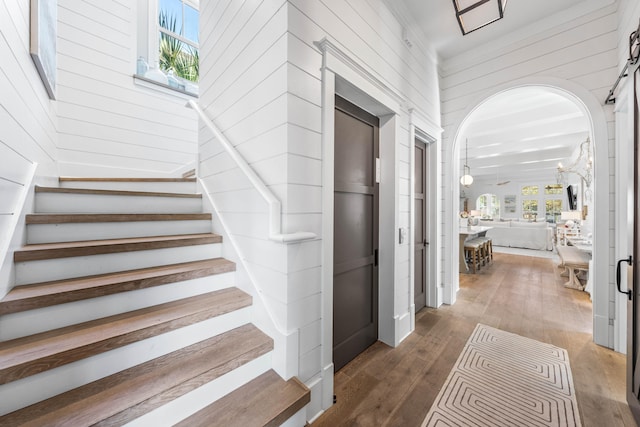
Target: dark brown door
(419, 226)
(355, 250)
(633, 306)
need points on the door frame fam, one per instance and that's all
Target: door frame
(433, 215)
(603, 328)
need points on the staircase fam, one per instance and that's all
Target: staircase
(124, 312)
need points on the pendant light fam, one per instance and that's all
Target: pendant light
(466, 178)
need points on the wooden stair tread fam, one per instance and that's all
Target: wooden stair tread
(126, 395)
(87, 179)
(265, 401)
(97, 247)
(38, 295)
(22, 357)
(39, 189)
(90, 218)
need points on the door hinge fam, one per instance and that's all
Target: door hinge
(375, 257)
(377, 170)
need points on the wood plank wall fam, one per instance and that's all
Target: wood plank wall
(108, 126)
(583, 51)
(28, 122)
(262, 86)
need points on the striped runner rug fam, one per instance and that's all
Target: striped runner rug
(504, 379)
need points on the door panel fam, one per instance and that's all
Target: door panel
(420, 236)
(355, 270)
(633, 306)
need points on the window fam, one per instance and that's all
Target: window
(530, 209)
(168, 45)
(553, 189)
(488, 205)
(552, 209)
(530, 190)
(178, 52)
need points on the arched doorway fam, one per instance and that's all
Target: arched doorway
(603, 332)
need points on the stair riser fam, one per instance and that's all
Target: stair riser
(32, 389)
(154, 187)
(44, 319)
(185, 406)
(51, 233)
(67, 268)
(107, 204)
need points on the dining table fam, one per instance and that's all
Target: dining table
(468, 233)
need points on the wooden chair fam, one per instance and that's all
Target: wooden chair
(473, 253)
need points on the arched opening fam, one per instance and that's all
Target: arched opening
(596, 130)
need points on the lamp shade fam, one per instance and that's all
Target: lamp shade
(466, 180)
(475, 14)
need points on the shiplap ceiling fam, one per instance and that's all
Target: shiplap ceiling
(522, 133)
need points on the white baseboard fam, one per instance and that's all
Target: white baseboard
(402, 327)
(16, 234)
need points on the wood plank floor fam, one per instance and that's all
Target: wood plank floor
(524, 295)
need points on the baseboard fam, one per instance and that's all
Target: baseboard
(402, 326)
(315, 408)
(16, 235)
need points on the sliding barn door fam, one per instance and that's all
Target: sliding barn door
(633, 307)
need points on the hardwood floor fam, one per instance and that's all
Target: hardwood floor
(524, 295)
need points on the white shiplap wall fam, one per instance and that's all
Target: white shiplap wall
(27, 125)
(261, 84)
(108, 126)
(582, 52)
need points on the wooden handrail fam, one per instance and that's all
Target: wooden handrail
(275, 207)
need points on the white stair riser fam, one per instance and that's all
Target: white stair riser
(30, 322)
(187, 405)
(41, 386)
(74, 232)
(67, 268)
(100, 203)
(155, 187)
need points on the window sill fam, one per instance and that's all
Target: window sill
(164, 88)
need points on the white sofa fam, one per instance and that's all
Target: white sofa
(520, 234)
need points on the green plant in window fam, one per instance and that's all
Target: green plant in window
(175, 55)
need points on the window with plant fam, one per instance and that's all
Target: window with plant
(530, 190)
(178, 22)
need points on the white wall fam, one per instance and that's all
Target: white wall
(108, 126)
(27, 126)
(262, 85)
(580, 54)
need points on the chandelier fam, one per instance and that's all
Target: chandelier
(582, 166)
